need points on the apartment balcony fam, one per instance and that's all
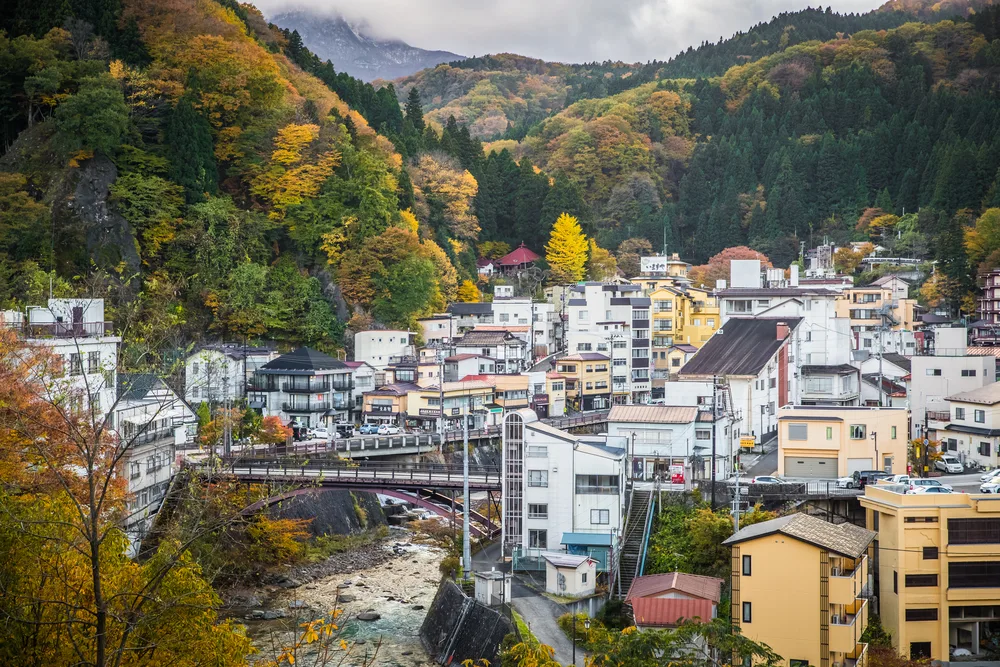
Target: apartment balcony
(846, 630)
(306, 387)
(306, 406)
(64, 329)
(847, 581)
(260, 384)
(938, 419)
(640, 342)
(640, 362)
(640, 324)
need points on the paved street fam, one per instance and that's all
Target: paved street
(540, 614)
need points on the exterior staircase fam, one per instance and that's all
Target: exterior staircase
(634, 542)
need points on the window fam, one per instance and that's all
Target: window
(979, 416)
(798, 431)
(895, 582)
(921, 580)
(858, 432)
(977, 574)
(93, 362)
(893, 436)
(959, 413)
(537, 451)
(933, 371)
(921, 614)
(920, 650)
(829, 433)
(703, 434)
(973, 531)
(600, 517)
(505, 317)
(984, 449)
(675, 362)
(538, 478)
(538, 539)
(196, 392)
(538, 511)
(747, 612)
(597, 484)
(194, 368)
(135, 470)
(746, 566)
(583, 579)
(920, 519)
(968, 372)
(75, 364)
(930, 553)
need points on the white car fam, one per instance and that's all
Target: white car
(992, 475)
(319, 433)
(992, 486)
(845, 482)
(916, 482)
(949, 464)
(931, 489)
(387, 429)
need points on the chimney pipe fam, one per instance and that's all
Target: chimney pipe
(781, 329)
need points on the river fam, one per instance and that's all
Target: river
(399, 590)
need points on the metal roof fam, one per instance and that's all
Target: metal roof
(565, 560)
(709, 588)
(587, 539)
(988, 395)
(842, 538)
(743, 346)
(653, 414)
(302, 360)
(668, 612)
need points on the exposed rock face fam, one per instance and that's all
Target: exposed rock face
(83, 221)
(333, 511)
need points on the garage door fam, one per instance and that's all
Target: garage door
(810, 466)
(854, 465)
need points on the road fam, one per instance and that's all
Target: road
(389, 476)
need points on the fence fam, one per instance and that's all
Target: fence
(816, 489)
(585, 419)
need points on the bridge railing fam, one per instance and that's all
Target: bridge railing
(814, 489)
(429, 474)
(586, 419)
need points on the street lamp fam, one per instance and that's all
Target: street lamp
(586, 626)
(875, 438)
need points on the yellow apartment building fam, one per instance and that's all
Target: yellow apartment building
(835, 441)
(470, 397)
(587, 379)
(800, 585)
(938, 568)
(864, 308)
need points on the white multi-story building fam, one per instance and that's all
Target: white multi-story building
(305, 386)
(557, 485)
(219, 372)
(613, 319)
(83, 345)
(363, 379)
(508, 351)
(541, 318)
(378, 347)
(152, 422)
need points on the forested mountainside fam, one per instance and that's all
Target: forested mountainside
(354, 50)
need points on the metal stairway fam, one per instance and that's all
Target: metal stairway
(633, 546)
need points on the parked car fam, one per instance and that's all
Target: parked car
(767, 479)
(919, 481)
(863, 478)
(369, 429)
(931, 489)
(388, 429)
(343, 430)
(895, 479)
(949, 464)
(991, 486)
(845, 482)
(319, 433)
(992, 475)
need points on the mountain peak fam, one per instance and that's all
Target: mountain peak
(353, 49)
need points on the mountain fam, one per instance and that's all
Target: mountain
(353, 51)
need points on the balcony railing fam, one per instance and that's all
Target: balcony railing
(311, 406)
(311, 387)
(64, 329)
(939, 415)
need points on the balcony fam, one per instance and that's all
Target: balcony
(640, 362)
(640, 324)
(306, 406)
(847, 581)
(306, 387)
(64, 329)
(640, 342)
(846, 629)
(939, 416)
(260, 384)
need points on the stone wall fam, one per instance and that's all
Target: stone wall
(333, 511)
(457, 628)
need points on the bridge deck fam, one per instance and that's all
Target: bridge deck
(332, 474)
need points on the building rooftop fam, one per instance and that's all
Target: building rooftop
(471, 308)
(669, 612)
(653, 414)
(564, 560)
(396, 389)
(738, 292)
(988, 395)
(587, 539)
(897, 360)
(486, 339)
(303, 360)
(827, 369)
(845, 539)
(135, 386)
(709, 588)
(743, 346)
(585, 356)
(520, 255)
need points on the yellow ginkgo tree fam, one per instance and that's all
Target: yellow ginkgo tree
(566, 251)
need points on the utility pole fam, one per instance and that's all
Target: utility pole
(440, 356)
(715, 400)
(875, 439)
(467, 501)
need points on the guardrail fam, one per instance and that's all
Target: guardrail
(391, 475)
(596, 417)
(816, 489)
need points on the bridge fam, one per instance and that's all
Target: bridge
(421, 484)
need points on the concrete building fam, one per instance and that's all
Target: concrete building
(663, 436)
(986, 330)
(469, 399)
(305, 386)
(662, 600)
(829, 442)
(938, 571)
(949, 371)
(970, 428)
(588, 380)
(544, 331)
(387, 404)
(882, 316)
(438, 330)
(362, 380)
(753, 361)
(378, 347)
(556, 483)
(613, 320)
(220, 372)
(800, 585)
(466, 316)
(508, 351)
(570, 576)
(83, 345)
(152, 422)
(457, 366)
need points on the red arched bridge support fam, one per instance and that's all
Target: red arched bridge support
(432, 501)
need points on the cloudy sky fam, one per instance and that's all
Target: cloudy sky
(563, 30)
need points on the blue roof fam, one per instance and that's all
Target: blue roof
(587, 539)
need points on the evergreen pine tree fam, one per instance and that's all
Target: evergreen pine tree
(189, 147)
(415, 109)
(884, 201)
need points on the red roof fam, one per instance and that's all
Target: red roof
(708, 588)
(521, 255)
(666, 612)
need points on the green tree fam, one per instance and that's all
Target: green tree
(415, 109)
(95, 118)
(188, 139)
(407, 289)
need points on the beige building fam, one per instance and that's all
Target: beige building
(884, 301)
(800, 585)
(970, 428)
(587, 377)
(471, 397)
(938, 570)
(834, 441)
(570, 576)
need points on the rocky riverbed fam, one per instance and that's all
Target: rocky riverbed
(391, 583)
